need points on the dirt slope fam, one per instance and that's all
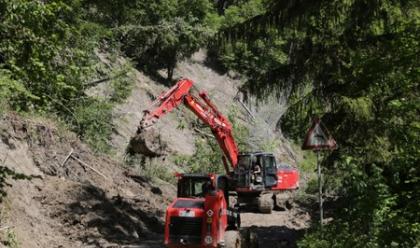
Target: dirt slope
(70, 204)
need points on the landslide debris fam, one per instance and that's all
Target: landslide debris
(147, 142)
(77, 198)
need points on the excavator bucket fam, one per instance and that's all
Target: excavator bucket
(147, 142)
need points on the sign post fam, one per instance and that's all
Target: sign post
(321, 210)
(318, 138)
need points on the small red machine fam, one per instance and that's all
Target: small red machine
(200, 216)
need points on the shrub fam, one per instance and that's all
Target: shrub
(93, 122)
(151, 168)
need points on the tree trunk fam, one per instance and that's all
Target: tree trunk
(170, 72)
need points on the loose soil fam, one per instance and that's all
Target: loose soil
(92, 203)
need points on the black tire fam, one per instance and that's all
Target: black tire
(234, 219)
(238, 220)
(232, 239)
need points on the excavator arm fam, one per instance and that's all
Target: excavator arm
(202, 107)
(166, 102)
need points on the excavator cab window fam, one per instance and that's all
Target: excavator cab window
(270, 170)
(244, 161)
(269, 162)
(242, 171)
(193, 186)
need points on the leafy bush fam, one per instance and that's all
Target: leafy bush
(11, 240)
(12, 92)
(93, 121)
(121, 83)
(151, 168)
(46, 52)
(208, 155)
(206, 159)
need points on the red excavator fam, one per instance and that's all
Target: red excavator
(254, 176)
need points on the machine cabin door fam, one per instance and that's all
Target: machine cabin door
(270, 170)
(242, 171)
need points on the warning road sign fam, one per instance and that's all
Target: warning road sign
(318, 138)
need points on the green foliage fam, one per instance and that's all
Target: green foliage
(157, 170)
(207, 157)
(157, 34)
(239, 130)
(151, 168)
(308, 162)
(12, 91)
(355, 63)
(121, 83)
(47, 59)
(11, 239)
(270, 145)
(312, 186)
(238, 13)
(93, 121)
(45, 49)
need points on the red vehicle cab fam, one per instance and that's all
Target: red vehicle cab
(199, 216)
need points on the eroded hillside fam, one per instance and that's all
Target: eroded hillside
(75, 198)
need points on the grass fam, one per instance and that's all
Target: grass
(11, 240)
(308, 161)
(151, 168)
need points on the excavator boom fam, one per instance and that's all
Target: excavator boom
(204, 109)
(166, 102)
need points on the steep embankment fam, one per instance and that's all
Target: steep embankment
(73, 201)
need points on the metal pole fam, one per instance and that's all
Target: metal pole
(321, 214)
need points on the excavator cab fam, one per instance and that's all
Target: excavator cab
(255, 171)
(200, 216)
(195, 186)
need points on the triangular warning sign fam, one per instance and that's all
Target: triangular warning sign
(318, 137)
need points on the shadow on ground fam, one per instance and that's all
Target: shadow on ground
(157, 77)
(270, 237)
(117, 220)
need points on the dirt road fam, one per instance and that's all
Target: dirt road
(280, 229)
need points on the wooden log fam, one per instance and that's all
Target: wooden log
(90, 167)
